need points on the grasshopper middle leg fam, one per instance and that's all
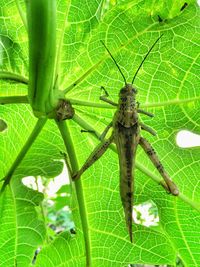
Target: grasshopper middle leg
(145, 112)
(147, 128)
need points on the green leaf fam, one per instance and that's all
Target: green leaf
(44, 156)
(21, 230)
(167, 85)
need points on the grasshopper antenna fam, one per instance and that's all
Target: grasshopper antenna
(115, 62)
(145, 58)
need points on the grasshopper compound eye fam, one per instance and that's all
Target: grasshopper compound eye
(134, 90)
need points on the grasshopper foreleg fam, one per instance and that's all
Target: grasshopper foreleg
(94, 156)
(105, 98)
(90, 131)
(147, 128)
(169, 185)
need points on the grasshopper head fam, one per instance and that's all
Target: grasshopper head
(128, 90)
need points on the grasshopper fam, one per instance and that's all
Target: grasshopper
(126, 136)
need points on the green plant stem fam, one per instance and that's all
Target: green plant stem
(139, 166)
(13, 77)
(37, 129)
(13, 99)
(78, 186)
(90, 104)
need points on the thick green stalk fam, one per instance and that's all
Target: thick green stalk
(41, 19)
(37, 129)
(79, 188)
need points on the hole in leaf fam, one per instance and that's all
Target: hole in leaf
(146, 214)
(3, 125)
(186, 139)
(51, 186)
(33, 183)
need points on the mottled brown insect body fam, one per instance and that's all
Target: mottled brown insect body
(126, 136)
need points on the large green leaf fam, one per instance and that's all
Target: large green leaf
(167, 86)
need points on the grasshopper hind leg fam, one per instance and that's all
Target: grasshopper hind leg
(94, 156)
(169, 185)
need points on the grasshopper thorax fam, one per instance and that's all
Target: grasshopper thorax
(127, 96)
